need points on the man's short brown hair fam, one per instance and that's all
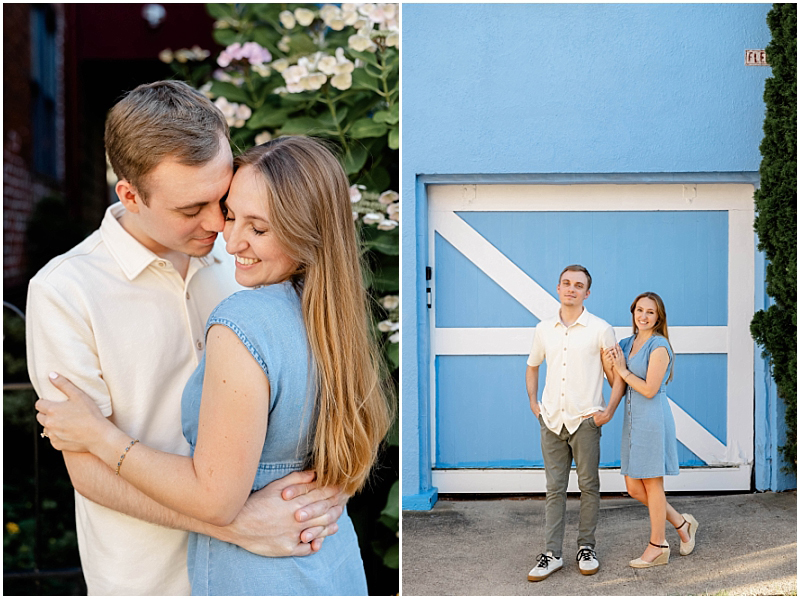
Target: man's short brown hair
(577, 268)
(155, 121)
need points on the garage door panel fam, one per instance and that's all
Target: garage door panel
(467, 297)
(680, 255)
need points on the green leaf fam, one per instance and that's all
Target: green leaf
(355, 158)
(392, 507)
(361, 80)
(367, 57)
(220, 11)
(394, 138)
(377, 178)
(366, 127)
(386, 278)
(301, 43)
(393, 353)
(327, 118)
(225, 37)
(391, 558)
(229, 91)
(382, 116)
(385, 242)
(267, 117)
(304, 125)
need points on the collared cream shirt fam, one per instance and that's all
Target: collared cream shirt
(574, 382)
(121, 323)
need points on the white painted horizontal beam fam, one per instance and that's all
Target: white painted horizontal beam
(595, 197)
(532, 480)
(516, 341)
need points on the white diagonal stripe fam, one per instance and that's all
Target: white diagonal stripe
(697, 439)
(495, 264)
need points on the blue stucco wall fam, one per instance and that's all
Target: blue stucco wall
(638, 91)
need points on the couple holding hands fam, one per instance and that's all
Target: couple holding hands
(578, 348)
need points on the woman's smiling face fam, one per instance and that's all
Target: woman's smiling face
(260, 258)
(645, 314)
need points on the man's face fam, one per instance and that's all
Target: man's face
(573, 288)
(183, 211)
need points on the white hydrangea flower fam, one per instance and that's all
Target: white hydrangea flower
(166, 55)
(294, 73)
(355, 194)
(388, 197)
(366, 8)
(228, 109)
(263, 137)
(393, 39)
(372, 218)
(388, 325)
(262, 69)
(314, 81)
(387, 225)
(327, 65)
(328, 12)
(199, 53)
(355, 215)
(393, 210)
(205, 89)
(183, 55)
(342, 82)
(359, 42)
(287, 19)
(280, 65)
(390, 302)
(395, 337)
(283, 45)
(304, 16)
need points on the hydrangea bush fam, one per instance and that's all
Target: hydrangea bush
(332, 72)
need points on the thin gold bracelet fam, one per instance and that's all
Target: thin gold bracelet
(124, 453)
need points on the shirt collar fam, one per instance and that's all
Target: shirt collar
(132, 257)
(582, 320)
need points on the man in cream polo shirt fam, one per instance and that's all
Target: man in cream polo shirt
(570, 415)
(122, 315)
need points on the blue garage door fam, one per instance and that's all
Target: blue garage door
(496, 253)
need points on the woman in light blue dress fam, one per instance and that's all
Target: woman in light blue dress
(290, 379)
(642, 366)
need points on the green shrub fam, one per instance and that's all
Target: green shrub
(775, 328)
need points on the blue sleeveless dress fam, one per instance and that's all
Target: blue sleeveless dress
(649, 443)
(269, 322)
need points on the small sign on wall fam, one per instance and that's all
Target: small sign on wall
(755, 58)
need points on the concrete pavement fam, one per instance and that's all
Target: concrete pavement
(746, 545)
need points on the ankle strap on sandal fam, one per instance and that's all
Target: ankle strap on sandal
(659, 546)
(685, 522)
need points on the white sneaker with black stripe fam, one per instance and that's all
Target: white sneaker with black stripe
(587, 560)
(546, 564)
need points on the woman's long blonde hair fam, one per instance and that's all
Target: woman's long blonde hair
(661, 324)
(308, 202)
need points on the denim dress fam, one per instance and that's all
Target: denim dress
(649, 444)
(269, 322)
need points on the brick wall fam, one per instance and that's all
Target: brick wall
(21, 187)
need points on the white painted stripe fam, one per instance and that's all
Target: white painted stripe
(516, 341)
(741, 354)
(597, 197)
(697, 439)
(530, 480)
(495, 264)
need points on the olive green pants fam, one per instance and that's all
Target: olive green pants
(558, 451)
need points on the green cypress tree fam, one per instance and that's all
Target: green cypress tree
(775, 328)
